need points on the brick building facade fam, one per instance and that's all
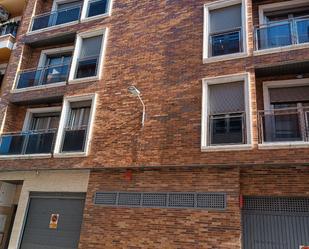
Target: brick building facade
(225, 142)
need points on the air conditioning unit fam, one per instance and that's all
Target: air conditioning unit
(4, 14)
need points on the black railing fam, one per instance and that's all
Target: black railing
(27, 142)
(283, 125)
(74, 139)
(56, 18)
(229, 42)
(87, 67)
(282, 33)
(43, 76)
(227, 129)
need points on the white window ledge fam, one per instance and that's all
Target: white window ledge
(30, 156)
(83, 80)
(88, 19)
(227, 147)
(70, 154)
(283, 145)
(52, 28)
(225, 57)
(38, 87)
(281, 49)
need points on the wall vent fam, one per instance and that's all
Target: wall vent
(211, 201)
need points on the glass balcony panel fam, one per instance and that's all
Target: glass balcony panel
(29, 79)
(87, 67)
(303, 30)
(56, 18)
(12, 144)
(275, 36)
(282, 126)
(74, 140)
(227, 43)
(226, 130)
(97, 7)
(40, 143)
(55, 74)
(9, 28)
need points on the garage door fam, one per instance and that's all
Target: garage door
(53, 221)
(275, 223)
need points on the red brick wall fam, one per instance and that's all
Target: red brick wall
(106, 227)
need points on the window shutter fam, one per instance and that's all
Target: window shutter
(289, 94)
(225, 19)
(226, 98)
(91, 47)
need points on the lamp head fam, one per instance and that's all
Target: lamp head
(134, 91)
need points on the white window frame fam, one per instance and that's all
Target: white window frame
(78, 46)
(244, 77)
(222, 4)
(262, 21)
(63, 121)
(267, 106)
(85, 9)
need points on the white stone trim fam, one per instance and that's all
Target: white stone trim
(63, 119)
(245, 77)
(222, 4)
(76, 53)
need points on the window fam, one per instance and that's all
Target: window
(96, 8)
(75, 125)
(225, 32)
(283, 24)
(88, 56)
(226, 119)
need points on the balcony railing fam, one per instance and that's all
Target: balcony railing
(227, 129)
(284, 125)
(27, 142)
(43, 76)
(9, 28)
(74, 139)
(56, 18)
(282, 33)
(229, 42)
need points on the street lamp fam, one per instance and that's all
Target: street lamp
(135, 92)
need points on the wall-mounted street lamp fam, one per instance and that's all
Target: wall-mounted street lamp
(135, 92)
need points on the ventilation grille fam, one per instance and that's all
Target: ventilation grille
(214, 201)
(277, 204)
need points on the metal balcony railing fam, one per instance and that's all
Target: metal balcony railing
(87, 67)
(228, 42)
(55, 18)
(27, 142)
(227, 129)
(9, 28)
(284, 125)
(74, 139)
(282, 33)
(43, 76)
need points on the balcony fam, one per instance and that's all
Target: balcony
(8, 33)
(55, 18)
(227, 129)
(27, 143)
(286, 125)
(43, 76)
(283, 33)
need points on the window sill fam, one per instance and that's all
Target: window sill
(83, 80)
(52, 28)
(281, 49)
(225, 57)
(70, 154)
(30, 156)
(88, 19)
(226, 147)
(283, 145)
(38, 87)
